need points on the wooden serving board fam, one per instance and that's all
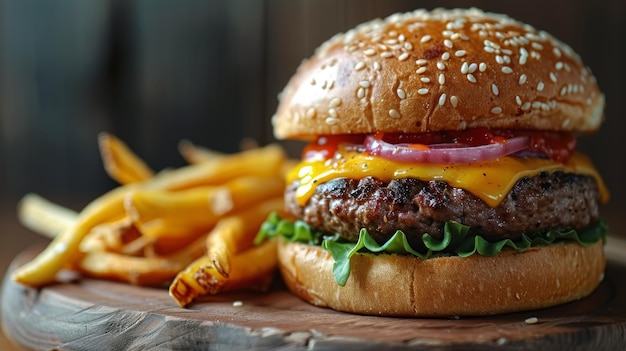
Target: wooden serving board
(87, 314)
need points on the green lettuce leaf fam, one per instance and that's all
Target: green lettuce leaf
(456, 240)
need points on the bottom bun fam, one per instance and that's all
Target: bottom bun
(394, 285)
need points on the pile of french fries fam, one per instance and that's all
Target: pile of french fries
(191, 228)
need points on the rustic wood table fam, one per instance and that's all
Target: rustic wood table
(86, 312)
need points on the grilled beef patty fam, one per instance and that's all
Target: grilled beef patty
(554, 200)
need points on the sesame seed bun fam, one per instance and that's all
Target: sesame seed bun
(439, 70)
(445, 286)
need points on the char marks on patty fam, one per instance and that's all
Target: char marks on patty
(550, 200)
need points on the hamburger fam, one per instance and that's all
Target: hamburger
(441, 176)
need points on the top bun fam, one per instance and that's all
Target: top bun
(439, 70)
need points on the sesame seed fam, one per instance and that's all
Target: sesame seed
(472, 68)
(499, 59)
(377, 66)
(335, 102)
(425, 39)
(518, 100)
(331, 120)
(540, 86)
(448, 43)
(495, 90)
(489, 49)
(394, 113)
(421, 70)
(553, 77)
(526, 106)
(563, 90)
(471, 78)
(442, 78)
(331, 84)
(491, 44)
(404, 56)
(523, 51)
(482, 67)
(364, 84)
(359, 66)
(536, 104)
(401, 94)
(558, 65)
(522, 79)
(496, 110)
(464, 68)
(507, 70)
(425, 79)
(360, 93)
(370, 52)
(556, 52)
(386, 54)
(536, 46)
(401, 38)
(313, 81)
(442, 99)
(454, 101)
(445, 56)
(408, 45)
(523, 59)
(421, 62)
(531, 320)
(460, 53)
(423, 91)
(311, 112)
(441, 66)
(332, 112)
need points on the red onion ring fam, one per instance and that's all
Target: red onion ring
(443, 154)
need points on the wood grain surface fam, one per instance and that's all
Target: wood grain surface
(81, 314)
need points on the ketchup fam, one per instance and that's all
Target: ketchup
(557, 146)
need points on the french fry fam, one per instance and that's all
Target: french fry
(43, 216)
(120, 162)
(252, 268)
(64, 248)
(152, 271)
(262, 162)
(235, 233)
(196, 154)
(110, 236)
(201, 206)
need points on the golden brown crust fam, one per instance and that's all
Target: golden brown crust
(447, 286)
(439, 70)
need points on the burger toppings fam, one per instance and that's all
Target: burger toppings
(477, 144)
(444, 153)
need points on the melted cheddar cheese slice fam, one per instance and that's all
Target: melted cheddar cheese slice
(490, 180)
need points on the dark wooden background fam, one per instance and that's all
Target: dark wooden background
(155, 72)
